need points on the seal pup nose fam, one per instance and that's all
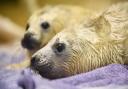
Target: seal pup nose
(34, 60)
(29, 41)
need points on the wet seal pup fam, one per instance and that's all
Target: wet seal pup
(82, 48)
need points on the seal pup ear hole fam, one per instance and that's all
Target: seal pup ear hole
(58, 48)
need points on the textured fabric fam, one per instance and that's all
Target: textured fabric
(114, 74)
(12, 53)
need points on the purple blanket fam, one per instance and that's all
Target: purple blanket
(114, 76)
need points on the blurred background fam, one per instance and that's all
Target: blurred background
(14, 13)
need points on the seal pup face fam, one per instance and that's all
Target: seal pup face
(49, 63)
(41, 27)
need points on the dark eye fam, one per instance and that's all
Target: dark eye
(59, 47)
(27, 26)
(45, 25)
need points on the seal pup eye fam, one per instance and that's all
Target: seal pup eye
(45, 25)
(59, 47)
(27, 26)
